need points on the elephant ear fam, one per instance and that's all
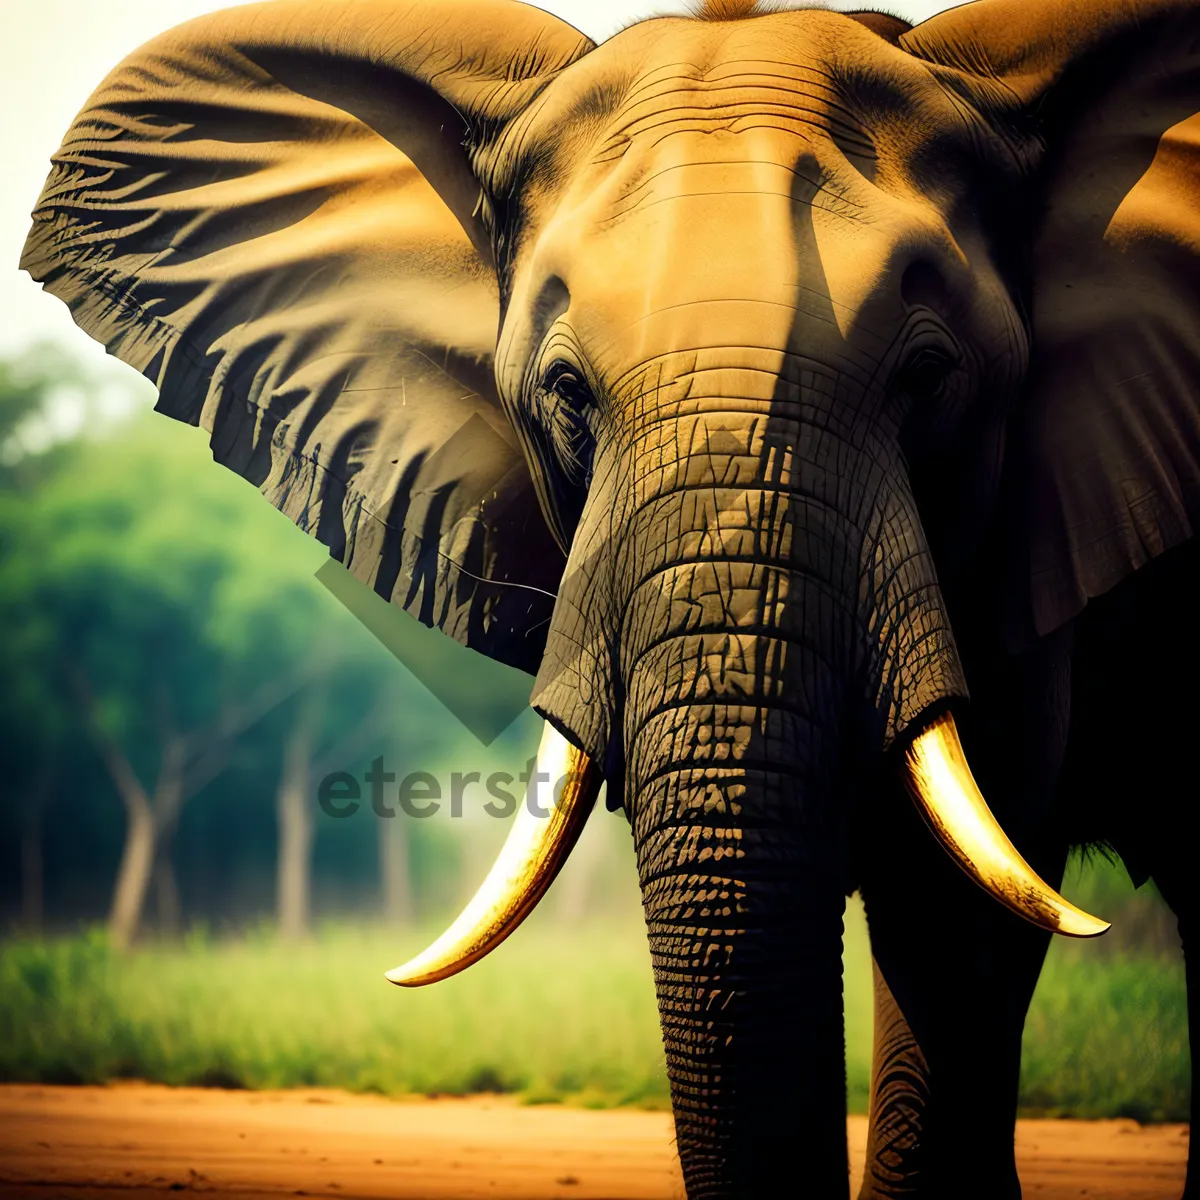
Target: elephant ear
(1101, 98)
(271, 212)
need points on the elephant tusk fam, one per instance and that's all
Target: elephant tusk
(544, 832)
(949, 799)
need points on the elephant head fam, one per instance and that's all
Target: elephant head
(689, 373)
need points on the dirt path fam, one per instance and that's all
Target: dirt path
(138, 1140)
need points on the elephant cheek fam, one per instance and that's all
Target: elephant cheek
(912, 665)
(577, 686)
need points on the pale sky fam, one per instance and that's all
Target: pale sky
(54, 52)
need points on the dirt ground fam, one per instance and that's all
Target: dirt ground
(139, 1140)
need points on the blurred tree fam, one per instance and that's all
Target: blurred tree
(293, 874)
(395, 871)
(30, 708)
(149, 622)
(177, 683)
(133, 622)
(354, 740)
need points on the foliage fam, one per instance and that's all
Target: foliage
(558, 1013)
(251, 1012)
(132, 566)
(1107, 1038)
(30, 711)
(1107, 1032)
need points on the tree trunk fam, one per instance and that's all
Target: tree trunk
(394, 870)
(166, 893)
(576, 888)
(33, 877)
(294, 816)
(168, 800)
(133, 876)
(145, 822)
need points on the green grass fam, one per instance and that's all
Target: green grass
(555, 1015)
(1107, 1032)
(1107, 1037)
(562, 1012)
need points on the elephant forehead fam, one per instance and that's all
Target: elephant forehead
(755, 174)
(685, 163)
(817, 75)
(764, 92)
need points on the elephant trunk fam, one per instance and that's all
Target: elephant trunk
(734, 738)
(765, 612)
(743, 895)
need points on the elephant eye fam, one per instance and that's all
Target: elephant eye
(565, 382)
(567, 419)
(924, 375)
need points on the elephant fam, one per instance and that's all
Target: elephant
(808, 403)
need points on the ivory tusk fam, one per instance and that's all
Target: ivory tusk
(563, 789)
(949, 799)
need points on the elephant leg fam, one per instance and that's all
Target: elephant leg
(1176, 882)
(1189, 933)
(955, 976)
(956, 972)
(899, 1097)
(1131, 647)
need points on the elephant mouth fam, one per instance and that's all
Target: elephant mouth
(935, 771)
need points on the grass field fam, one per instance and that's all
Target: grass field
(560, 1013)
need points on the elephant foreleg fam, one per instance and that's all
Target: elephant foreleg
(1189, 932)
(899, 1096)
(956, 975)
(1174, 876)
(949, 1015)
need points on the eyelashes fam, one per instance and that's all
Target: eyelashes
(925, 374)
(564, 407)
